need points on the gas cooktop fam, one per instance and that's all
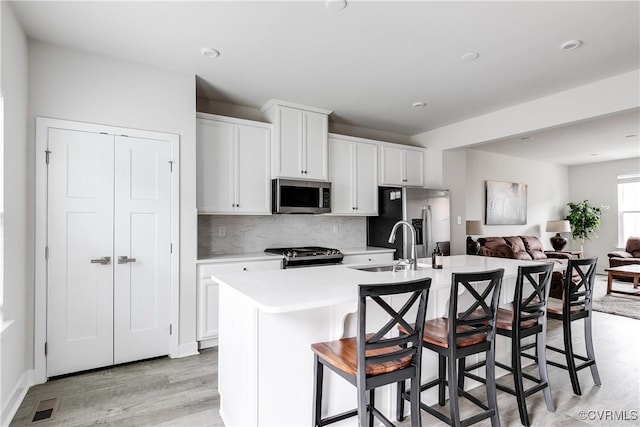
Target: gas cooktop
(307, 255)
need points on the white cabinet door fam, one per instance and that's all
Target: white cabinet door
(300, 145)
(391, 166)
(215, 160)
(80, 222)
(289, 151)
(414, 168)
(315, 145)
(401, 167)
(142, 256)
(233, 167)
(207, 329)
(366, 178)
(252, 170)
(354, 177)
(341, 175)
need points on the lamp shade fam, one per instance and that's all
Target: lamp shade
(560, 226)
(474, 228)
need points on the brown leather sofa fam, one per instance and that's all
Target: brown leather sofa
(528, 248)
(630, 255)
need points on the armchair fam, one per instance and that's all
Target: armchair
(630, 255)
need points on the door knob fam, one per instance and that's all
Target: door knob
(125, 259)
(105, 260)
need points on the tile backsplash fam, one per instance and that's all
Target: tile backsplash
(242, 234)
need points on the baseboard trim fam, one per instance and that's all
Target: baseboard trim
(16, 397)
(213, 342)
(185, 350)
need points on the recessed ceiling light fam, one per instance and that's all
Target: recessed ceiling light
(419, 104)
(571, 45)
(209, 53)
(470, 56)
(335, 5)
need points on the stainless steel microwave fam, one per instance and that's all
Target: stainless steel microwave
(291, 196)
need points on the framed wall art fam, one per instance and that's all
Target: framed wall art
(505, 203)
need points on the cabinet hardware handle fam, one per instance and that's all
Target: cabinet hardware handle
(105, 260)
(125, 259)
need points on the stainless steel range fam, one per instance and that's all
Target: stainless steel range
(307, 256)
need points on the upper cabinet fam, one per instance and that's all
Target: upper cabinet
(353, 171)
(233, 166)
(401, 165)
(300, 140)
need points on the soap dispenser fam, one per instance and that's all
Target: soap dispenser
(436, 258)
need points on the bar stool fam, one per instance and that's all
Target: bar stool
(575, 305)
(523, 318)
(369, 360)
(467, 330)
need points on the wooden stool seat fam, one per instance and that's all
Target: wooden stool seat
(554, 306)
(342, 354)
(505, 320)
(436, 332)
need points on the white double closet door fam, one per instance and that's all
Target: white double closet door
(108, 244)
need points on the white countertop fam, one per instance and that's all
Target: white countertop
(295, 289)
(261, 256)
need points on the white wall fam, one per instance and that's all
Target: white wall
(547, 191)
(73, 85)
(597, 182)
(16, 342)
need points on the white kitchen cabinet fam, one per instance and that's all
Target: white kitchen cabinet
(300, 141)
(233, 166)
(401, 165)
(353, 171)
(207, 329)
(362, 259)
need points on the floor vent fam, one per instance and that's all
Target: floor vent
(45, 410)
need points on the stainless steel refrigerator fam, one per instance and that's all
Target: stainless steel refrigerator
(426, 209)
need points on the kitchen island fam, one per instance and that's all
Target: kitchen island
(269, 319)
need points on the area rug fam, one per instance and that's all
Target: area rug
(618, 304)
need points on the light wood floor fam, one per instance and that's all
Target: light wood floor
(183, 392)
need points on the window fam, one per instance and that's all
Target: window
(628, 207)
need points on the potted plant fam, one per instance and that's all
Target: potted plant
(585, 219)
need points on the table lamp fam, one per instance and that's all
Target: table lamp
(560, 226)
(474, 228)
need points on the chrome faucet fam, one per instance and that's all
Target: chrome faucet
(392, 237)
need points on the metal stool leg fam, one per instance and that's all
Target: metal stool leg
(516, 366)
(442, 367)
(363, 419)
(461, 367)
(590, 353)
(491, 385)
(453, 390)
(542, 369)
(400, 400)
(568, 353)
(372, 403)
(416, 420)
(317, 392)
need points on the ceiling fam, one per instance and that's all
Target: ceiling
(372, 60)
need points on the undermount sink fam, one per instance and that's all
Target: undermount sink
(388, 267)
